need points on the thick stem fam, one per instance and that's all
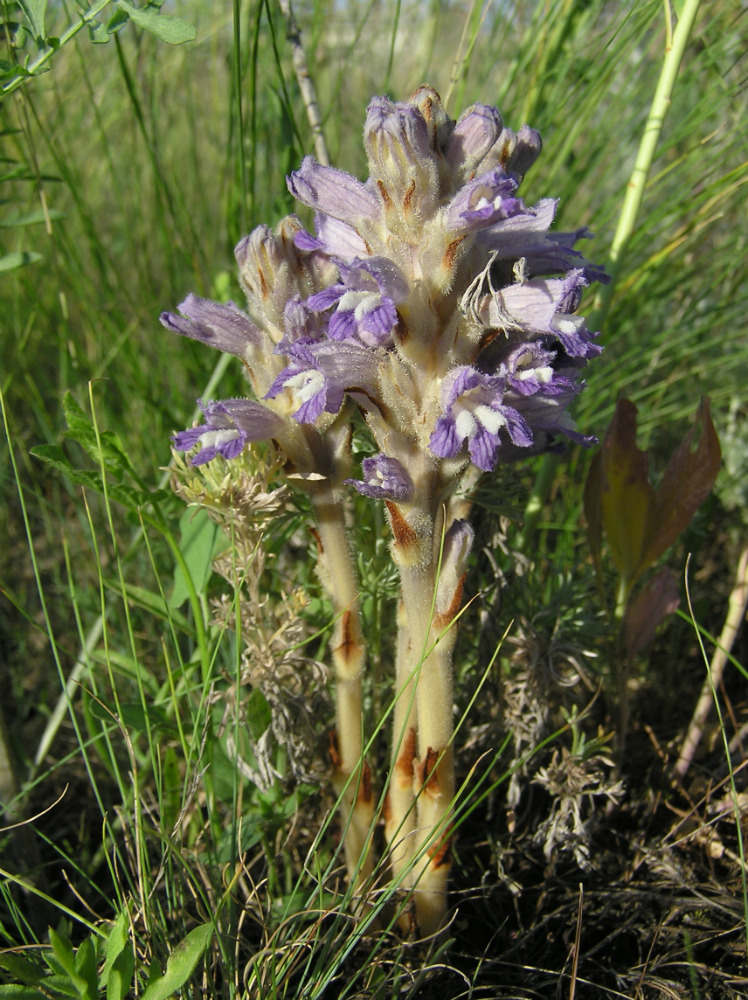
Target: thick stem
(352, 777)
(400, 812)
(428, 659)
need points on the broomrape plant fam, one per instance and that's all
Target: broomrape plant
(439, 305)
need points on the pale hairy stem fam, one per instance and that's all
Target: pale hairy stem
(352, 777)
(433, 769)
(434, 782)
(400, 813)
(735, 615)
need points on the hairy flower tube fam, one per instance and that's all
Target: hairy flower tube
(431, 298)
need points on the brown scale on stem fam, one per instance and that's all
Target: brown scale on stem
(440, 854)
(347, 648)
(385, 195)
(318, 539)
(450, 254)
(365, 793)
(408, 199)
(441, 621)
(404, 762)
(404, 535)
(401, 333)
(333, 750)
(426, 773)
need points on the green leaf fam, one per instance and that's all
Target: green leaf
(120, 978)
(116, 943)
(19, 258)
(171, 784)
(116, 22)
(20, 968)
(14, 992)
(180, 964)
(62, 950)
(119, 963)
(150, 601)
(168, 28)
(201, 539)
(259, 716)
(107, 447)
(30, 218)
(36, 11)
(98, 33)
(53, 454)
(133, 716)
(80, 969)
(85, 968)
(63, 984)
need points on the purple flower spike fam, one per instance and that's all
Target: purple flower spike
(226, 328)
(475, 412)
(320, 374)
(231, 423)
(384, 479)
(333, 192)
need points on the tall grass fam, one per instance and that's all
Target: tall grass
(137, 167)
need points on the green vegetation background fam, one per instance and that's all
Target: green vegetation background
(129, 171)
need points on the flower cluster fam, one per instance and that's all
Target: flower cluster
(438, 304)
(430, 296)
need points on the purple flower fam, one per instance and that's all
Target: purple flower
(475, 133)
(529, 369)
(333, 192)
(475, 412)
(384, 479)
(364, 302)
(224, 327)
(401, 158)
(549, 415)
(519, 150)
(231, 423)
(535, 307)
(334, 237)
(300, 324)
(483, 202)
(320, 374)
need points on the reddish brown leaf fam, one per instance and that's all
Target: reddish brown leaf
(627, 498)
(685, 485)
(645, 612)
